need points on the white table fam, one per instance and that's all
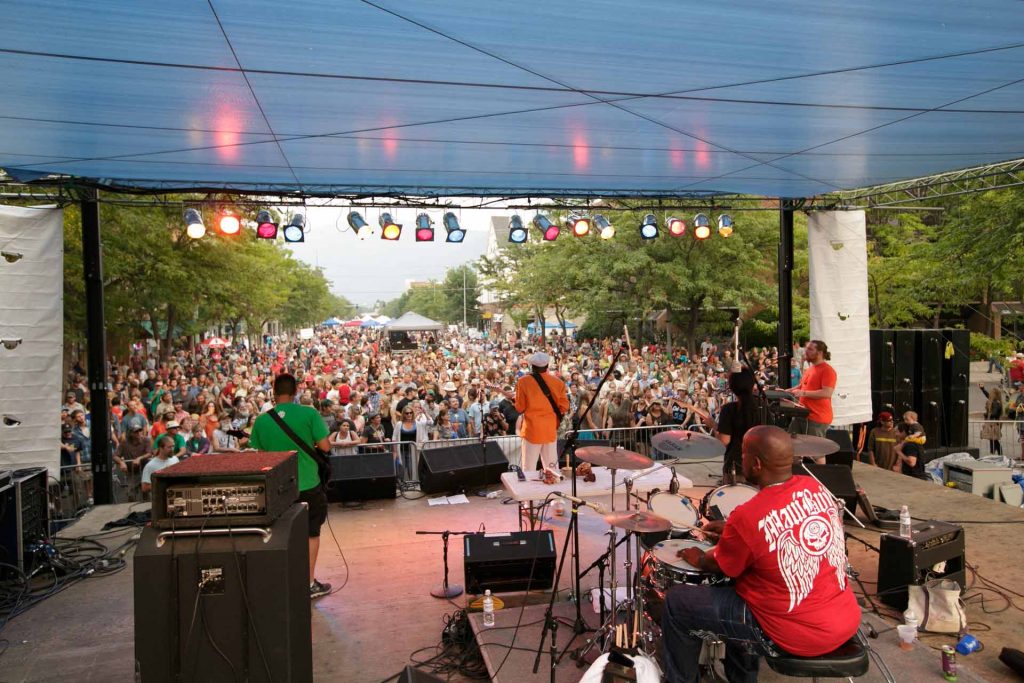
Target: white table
(534, 489)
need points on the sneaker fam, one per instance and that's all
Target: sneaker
(318, 590)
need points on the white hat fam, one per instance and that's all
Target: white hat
(172, 425)
(540, 360)
(450, 386)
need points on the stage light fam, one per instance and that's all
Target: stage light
(701, 226)
(725, 225)
(516, 232)
(604, 227)
(424, 228)
(580, 225)
(359, 226)
(295, 231)
(194, 227)
(229, 224)
(454, 230)
(266, 228)
(649, 227)
(676, 226)
(389, 229)
(549, 230)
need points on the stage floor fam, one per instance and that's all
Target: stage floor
(368, 630)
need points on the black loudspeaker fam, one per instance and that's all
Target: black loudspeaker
(411, 674)
(241, 593)
(362, 476)
(931, 414)
(883, 360)
(507, 562)
(24, 518)
(836, 478)
(882, 401)
(956, 382)
(844, 456)
(452, 468)
(902, 562)
(905, 345)
(931, 346)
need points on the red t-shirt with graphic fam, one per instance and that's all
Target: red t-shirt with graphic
(785, 548)
(816, 377)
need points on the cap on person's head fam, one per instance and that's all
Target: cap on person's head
(885, 416)
(450, 386)
(1020, 355)
(372, 415)
(172, 425)
(474, 381)
(540, 360)
(495, 405)
(241, 393)
(135, 428)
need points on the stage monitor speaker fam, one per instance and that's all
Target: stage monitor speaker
(931, 346)
(930, 416)
(883, 360)
(903, 562)
(204, 598)
(844, 456)
(411, 674)
(508, 562)
(837, 478)
(362, 476)
(451, 468)
(956, 369)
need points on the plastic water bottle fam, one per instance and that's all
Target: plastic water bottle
(904, 522)
(488, 609)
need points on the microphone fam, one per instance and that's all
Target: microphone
(673, 486)
(579, 501)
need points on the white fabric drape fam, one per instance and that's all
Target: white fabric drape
(837, 253)
(31, 309)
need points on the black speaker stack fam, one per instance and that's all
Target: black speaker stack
(362, 476)
(453, 468)
(927, 371)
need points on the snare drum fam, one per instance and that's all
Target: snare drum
(719, 503)
(662, 568)
(676, 509)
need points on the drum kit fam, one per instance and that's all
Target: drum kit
(657, 534)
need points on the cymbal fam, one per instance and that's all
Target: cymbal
(644, 522)
(613, 458)
(805, 445)
(687, 445)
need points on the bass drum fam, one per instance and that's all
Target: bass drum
(719, 503)
(677, 509)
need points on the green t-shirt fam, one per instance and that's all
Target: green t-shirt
(179, 441)
(307, 424)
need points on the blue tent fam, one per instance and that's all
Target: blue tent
(371, 323)
(331, 322)
(790, 98)
(532, 327)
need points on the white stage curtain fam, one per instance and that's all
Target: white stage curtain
(837, 252)
(32, 310)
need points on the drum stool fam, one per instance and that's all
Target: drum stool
(847, 661)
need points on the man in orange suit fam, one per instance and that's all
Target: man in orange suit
(542, 411)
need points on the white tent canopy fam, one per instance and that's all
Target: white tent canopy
(413, 322)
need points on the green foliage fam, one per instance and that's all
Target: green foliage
(153, 272)
(442, 301)
(984, 346)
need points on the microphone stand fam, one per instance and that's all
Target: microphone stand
(569, 446)
(446, 591)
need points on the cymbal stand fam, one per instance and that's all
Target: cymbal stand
(603, 635)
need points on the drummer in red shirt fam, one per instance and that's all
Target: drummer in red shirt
(786, 552)
(815, 391)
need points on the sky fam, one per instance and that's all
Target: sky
(367, 271)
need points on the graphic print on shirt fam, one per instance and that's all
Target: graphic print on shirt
(801, 533)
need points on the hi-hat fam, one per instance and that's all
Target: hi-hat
(613, 458)
(807, 446)
(687, 445)
(644, 522)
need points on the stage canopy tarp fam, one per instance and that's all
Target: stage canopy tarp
(413, 322)
(541, 97)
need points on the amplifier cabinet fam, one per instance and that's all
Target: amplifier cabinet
(509, 561)
(934, 551)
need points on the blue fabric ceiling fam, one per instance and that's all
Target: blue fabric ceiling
(544, 97)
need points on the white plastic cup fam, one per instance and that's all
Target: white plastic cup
(907, 634)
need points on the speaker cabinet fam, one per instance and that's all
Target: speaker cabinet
(836, 478)
(362, 476)
(883, 360)
(844, 456)
(930, 359)
(956, 369)
(956, 415)
(243, 594)
(931, 414)
(451, 468)
(506, 562)
(882, 401)
(902, 562)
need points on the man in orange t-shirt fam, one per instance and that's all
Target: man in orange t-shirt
(815, 391)
(540, 423)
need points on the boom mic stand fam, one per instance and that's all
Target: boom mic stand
(569, 446)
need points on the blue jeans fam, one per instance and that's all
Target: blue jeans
(694, 611)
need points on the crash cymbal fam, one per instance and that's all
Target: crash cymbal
(613, 458)
(807, 446)
(644, 522)
(687, 445)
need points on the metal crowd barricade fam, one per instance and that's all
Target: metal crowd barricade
(1011, 433)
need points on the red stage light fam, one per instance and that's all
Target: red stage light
(551, 233)
(676, 227)
(229, 224)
